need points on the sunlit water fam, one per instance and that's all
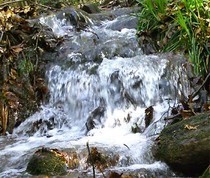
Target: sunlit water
(123, 84)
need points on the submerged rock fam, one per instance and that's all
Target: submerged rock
(76, 17)
(185, 146)
(94, 117)
(47, 162)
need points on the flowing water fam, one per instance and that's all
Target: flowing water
(100, 85)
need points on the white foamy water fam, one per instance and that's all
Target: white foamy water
(113, 94)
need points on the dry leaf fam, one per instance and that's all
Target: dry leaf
(17, 48)
(2, 50)
(8, 14)
(189, 127)
(11, 96)
(198, 31)
(13, 74)
(26, 9)
(186, 113)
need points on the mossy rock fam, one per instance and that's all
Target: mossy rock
(46, 162)
(185, 146)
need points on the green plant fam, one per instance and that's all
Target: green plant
(25, 67)
(179, 25)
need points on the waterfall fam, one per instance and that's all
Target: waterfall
(100, 85)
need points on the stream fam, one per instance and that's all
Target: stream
(100, 84)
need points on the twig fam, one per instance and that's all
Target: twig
(2, 33)
(10, 2)
(197, 91)
(102, 172)
(173, 117)
(126, 146)
(87, 30)
(16, 1)
(48, 7)
(91, 161)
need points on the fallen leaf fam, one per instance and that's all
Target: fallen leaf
(17, 50)
(2, 50)
(186, 113)
(189, 127)
(13, 74)
(26, 9)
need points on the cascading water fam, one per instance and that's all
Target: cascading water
(99, 90)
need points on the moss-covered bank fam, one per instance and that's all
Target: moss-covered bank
(185, 146)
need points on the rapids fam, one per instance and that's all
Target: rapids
(100, 85)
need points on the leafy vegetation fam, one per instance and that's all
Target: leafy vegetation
(179, 25)
(21, 46)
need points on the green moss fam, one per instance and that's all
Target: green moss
(46, 163)
(184, 148)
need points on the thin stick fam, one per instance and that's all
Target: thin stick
(196, 92)
(48, 7)
(91, 161)
(102, 172)
(2, 34)
(10, 2)
(16, 1)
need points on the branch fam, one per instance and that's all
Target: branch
(2, 34)
(91, 161)
(10, 2)
(15, 1)
(48, 7)
(197, 91)
(173, 117)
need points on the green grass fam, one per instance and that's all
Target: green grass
(179, 25)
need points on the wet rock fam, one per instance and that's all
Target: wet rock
(75, 17)
(110, 15)
(94, 117)
(100, 159)
(110, 4)
(146, 173)
(47, 162)
(129, 23)
(147, 44)
(141, 173)
(42, 125)
(148, 116)
(115, 175)
(90, 8)
(136, 129)
(185, 145)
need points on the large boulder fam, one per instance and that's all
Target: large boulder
(185, 146)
